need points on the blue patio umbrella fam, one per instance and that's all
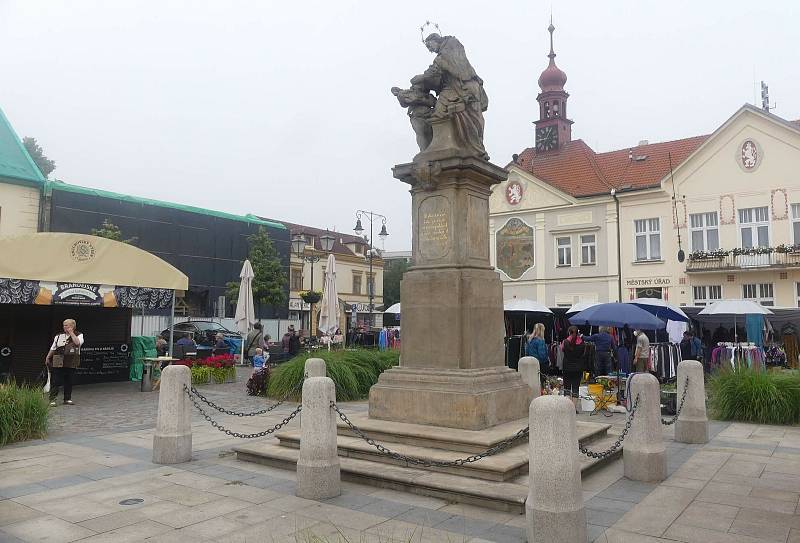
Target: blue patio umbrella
(616, 314)
(660, 308)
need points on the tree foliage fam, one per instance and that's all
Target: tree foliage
(111, 231)
(45, 165)
(393, 271)
(269, 281)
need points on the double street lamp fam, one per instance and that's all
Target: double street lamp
(299, 249)
(359, 229)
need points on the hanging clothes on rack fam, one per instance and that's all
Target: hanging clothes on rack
(623, 359)
(664, 360)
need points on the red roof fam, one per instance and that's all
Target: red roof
(577, 170)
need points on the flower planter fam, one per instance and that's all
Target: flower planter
(311, 297)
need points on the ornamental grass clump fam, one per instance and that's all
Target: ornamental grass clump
(771, 397)
(353, 372)
(23, 413)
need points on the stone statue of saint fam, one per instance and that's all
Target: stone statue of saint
(420, 108)
(460, 97)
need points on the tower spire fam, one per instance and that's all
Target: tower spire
(550, 29)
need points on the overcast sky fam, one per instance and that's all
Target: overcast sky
(283, 108)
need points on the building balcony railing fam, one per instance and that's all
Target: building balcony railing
(755, 258)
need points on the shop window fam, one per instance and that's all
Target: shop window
(754, 227)
(706, 294)
(588, 250)
(704, 231)
(564, 249)
(648, 239)
(296, 279)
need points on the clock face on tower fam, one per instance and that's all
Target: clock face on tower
(546, 138)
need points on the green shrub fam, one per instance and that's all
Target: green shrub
(753, 396)
(353, 372)
(201, 375)
(23, 413)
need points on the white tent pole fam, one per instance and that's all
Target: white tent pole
(171, 323)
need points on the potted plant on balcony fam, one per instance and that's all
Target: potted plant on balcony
(311, 296)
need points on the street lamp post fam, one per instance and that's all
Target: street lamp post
(359, 229)
(299, 249)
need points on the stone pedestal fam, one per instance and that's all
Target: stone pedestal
(172, 441)
(692, 424)
(452, 372)
(318, 471)
(644, 455)
(530, 372)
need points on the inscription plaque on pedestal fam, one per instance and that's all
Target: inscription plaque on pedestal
(434, 227)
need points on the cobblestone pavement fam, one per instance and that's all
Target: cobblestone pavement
(92, 481)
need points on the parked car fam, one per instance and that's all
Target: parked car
(204, 332)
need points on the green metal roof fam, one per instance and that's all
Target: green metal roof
(60, 185)
(15, 162)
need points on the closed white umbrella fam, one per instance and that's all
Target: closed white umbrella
(523, 304)
(394, 309)
(245, 316)
(733, 308)
(329, 307)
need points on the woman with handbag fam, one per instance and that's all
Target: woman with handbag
(64, 356)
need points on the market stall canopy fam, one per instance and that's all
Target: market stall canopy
(616, 314)
(735, 307)
(660, 309)
(394, 309)
(580, 306)
(528, 306)
(60, 258)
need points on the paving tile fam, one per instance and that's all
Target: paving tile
(693, 534)
(21, 490)
(385, 508)
(403, 497)
(603, 518)
(212, 528)
(609, 504)
(113, 521)
(616, 535)
(350, 500)
(794, 536)
(11, 512)
(466, 526)
(622, 494)
(423, 516)
(48, 528)
(769, 517)
(245, 492)
(65, 481)
(775, 494)
(75, 509)
(770, 532)
(184, 495)
(746, 501)
(507, 534)
(474, 512)
(708, 515)
(650, 520)
(253, 515)
(595, 533)
(6, 537)
(396, 530)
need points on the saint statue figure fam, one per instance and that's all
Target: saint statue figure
(460, 97)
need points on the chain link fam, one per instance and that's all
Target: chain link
(611, 450)
(501, 446)
(674, 419)
(221, 428)
(205, 400)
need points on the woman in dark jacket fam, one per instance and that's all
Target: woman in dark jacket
(574, 360)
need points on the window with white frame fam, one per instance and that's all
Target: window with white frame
(704, 230)
(588, 250)
(648, 239)
(796, 224)
(762, 293)
(706, 294)
(564, 249)
(754, 226)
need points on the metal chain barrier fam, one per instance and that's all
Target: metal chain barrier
(205, 400)
(674, 419)
(611, 450)
(501, 446)
(221, 428)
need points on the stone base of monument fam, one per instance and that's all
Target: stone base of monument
(498, 482)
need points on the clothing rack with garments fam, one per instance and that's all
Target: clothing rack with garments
(738, 355)
(664, 359)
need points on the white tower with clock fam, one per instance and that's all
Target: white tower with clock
(553, 129)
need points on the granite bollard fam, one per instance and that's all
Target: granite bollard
(554, 509)
(172, 441)
(529, 371)
(315, 367)
(318, 472)
(644, 454)
(692, 424)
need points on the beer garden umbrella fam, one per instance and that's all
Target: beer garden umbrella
(329, 307)
(245, 316)
(733, 308)
(617, 314)
(660, 308)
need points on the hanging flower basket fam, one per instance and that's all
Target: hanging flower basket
(311, 296)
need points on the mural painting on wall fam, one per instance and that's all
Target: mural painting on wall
(515, 248)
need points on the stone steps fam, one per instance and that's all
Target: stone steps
(498, 495)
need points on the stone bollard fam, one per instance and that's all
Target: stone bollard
(315, 367)
(554, 511)
(318, 473)
(692, 424)
(529, 371)
(644, 455)
(172, 442)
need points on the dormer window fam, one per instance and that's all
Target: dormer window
(309, 240)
